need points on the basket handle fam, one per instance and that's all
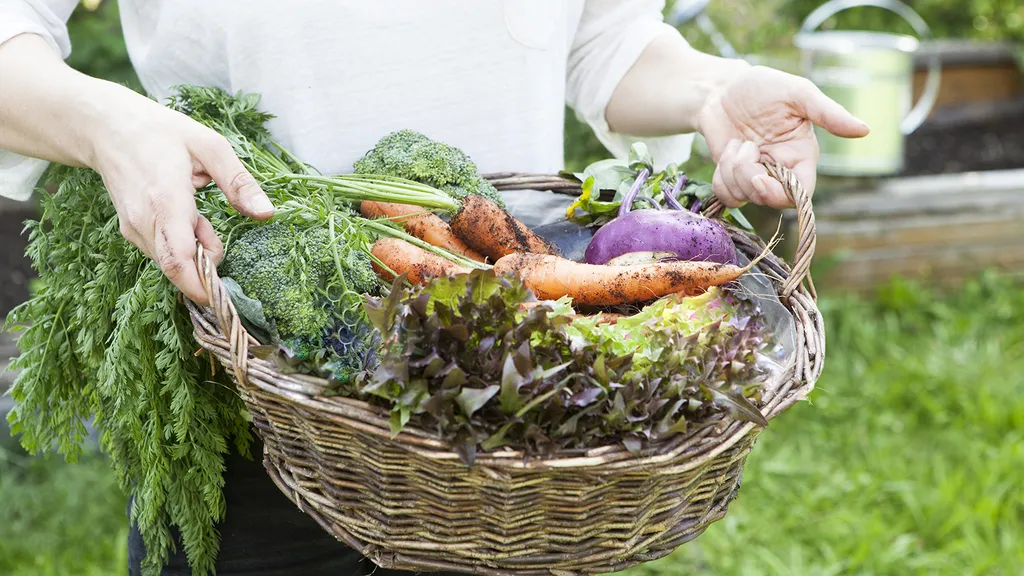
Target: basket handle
(223, 308)
(806, 231)
(807, 234)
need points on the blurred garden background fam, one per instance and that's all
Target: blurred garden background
(909, 459)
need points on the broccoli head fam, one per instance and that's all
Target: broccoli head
(411, 155)
(359, 274)
(285, 269)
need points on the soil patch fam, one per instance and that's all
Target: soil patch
(974, 137)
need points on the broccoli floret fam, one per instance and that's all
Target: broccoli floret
(359, 274)
(285, 269)
(413, 156)
(294, 274)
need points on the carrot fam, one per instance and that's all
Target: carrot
(404, 258)
(420, 223)
(552, 277)
(490, 230)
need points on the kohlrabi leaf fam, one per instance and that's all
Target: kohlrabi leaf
(736, 217)
(607, 174)
(640, 157)
(588, 209)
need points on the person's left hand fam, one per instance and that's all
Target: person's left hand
(766, 115)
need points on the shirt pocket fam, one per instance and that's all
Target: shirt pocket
(533, 23)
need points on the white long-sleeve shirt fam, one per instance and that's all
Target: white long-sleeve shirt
(489, 76)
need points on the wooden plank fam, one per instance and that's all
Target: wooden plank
(940, 230)
(974, 113)
(858, 206)
(947, 264)
(957, 184)
(965, 52)
(972, 83)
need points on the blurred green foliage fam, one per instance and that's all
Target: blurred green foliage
(58, 518)
(97, 44)
(1001, 20)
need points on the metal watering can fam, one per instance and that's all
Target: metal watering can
(871, 75)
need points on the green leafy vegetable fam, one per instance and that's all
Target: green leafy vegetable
(604, 185)
(286, 270)
(105, 335)
(466, 357)
(303, 280)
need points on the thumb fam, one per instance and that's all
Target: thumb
(829, 114)
(218, 160)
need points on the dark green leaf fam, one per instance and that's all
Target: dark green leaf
(385, 374)
(511, 382)
(498, 438)
(249, 309)
(543, 374)
(736, 216)
(455, 378)
(473, 399)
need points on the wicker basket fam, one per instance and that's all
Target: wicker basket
(409, 503)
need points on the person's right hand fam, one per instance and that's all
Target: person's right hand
(152, 160)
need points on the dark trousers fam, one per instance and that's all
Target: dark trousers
(264, 534)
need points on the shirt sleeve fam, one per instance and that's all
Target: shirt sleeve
(609, 39)
(48, 19)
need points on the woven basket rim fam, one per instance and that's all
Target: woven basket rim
(673, 455)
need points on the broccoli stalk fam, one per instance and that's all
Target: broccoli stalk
(410, 155)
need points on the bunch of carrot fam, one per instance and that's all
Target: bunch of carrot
(483, 231)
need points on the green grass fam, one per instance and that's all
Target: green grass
(909, 460)
(59, 519)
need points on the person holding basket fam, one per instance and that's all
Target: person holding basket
(492, 78)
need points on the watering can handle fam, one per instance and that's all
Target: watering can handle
(924, 105)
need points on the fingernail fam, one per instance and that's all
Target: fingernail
(261, 204)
